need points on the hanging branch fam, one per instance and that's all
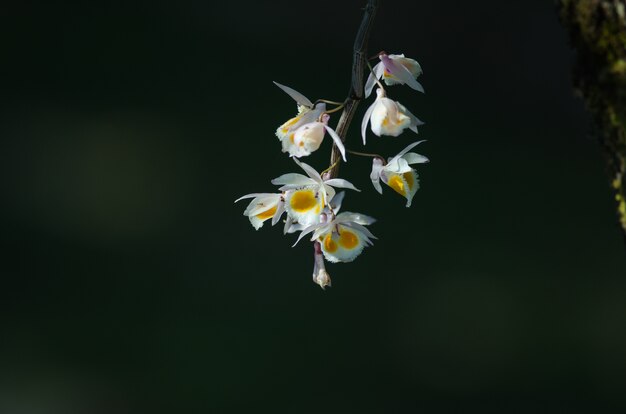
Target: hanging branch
(359, 64)
(597, 31)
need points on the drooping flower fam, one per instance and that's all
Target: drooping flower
(343, 237)
(398, 174)
(308, 138)
(395, 69)
(303, 134)
(263, 207)
(388, 117)
(306, 197)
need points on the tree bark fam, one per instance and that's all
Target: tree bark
(355, 95)
(597, 30)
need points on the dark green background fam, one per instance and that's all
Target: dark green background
(131, 283)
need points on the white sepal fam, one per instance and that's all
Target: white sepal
(292, 179)
(337, 139)
(280, 209)
(377, 167)
(341, 183)
(366, 119)
(376, 73)
(297, 96)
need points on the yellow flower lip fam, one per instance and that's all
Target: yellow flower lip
(348, 239)
(397, 184)
(303, 200)
(267, 213)
(329, 244)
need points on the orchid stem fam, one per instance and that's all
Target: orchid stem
(359, 61)
(328, 102)
(366, 154)
(330, 111)
(331, 167)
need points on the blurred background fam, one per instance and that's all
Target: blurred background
(131, 282)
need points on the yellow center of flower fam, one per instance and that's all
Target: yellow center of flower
(397, 184)
(348, 240)
(386, 121)
(303, 200)
(329, 244)
(410, 180)
(266, 214)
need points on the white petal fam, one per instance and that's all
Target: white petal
(398, 166)
(337, 139)
(329, 193)
(280, 209)
(341, 183)
(415, 122)
(256, 222)
(292, 179)
(288, 225)
(310, 171)
(307, 231)
(297, 96)
(414, 158)
(377, 166)
(411, 64)
(407, 149)
(260, 205)
(355, 217)
(253, 195)
(366, 119)
(335, 204)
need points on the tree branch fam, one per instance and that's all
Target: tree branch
(597, 31)
(359, 64)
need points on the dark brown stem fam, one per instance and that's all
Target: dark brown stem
(359, 63)
(597, 31)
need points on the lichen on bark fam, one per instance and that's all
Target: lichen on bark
(597, 31)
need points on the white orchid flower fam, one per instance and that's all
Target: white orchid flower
(395, 69)
(343, 237)
(307, 113)
(388, 117)
(306, 197)
(398, 174)
(308, 138)
(263, 207)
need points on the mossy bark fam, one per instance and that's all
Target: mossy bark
(597, 31)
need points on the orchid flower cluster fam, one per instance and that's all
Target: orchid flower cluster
(310, 203)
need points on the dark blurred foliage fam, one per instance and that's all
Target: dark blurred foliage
(131, 283)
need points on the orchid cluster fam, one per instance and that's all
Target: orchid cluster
(310, 203)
